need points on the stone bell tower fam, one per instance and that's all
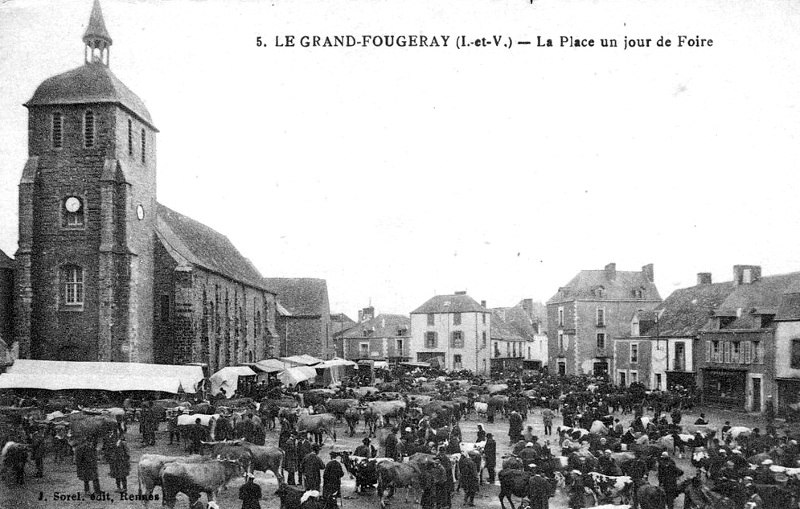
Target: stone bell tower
(87, 215)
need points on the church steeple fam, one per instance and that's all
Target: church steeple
(98, 41)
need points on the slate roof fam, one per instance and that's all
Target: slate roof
(789, 309)
(456, 303)
(687, 310)
(764, 293)
(583, 285)
(502, 329)
(385, 325)
(90, 83)
(5, 261)
(193, 243)
(302, 297)
(340, 322)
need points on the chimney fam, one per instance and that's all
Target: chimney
(647, 271)
(611, 271)
(746, 274)
(483, 303)
(703, 278)
(527, 305)
(461, 292)
(366, 314)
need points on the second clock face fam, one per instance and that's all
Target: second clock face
(140, 212)
(72, 204)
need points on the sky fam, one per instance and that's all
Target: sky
(400, 173)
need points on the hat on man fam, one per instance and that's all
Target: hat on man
(529, 444)
(766, 462)
(365, 441)
(665, 454)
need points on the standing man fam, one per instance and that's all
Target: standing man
(119, 459)
(539, 492)
(86, 466)
(304, 448)
(490, 456)
(332, 478)
(468, 479)
(444, 483)
(365, 450)
(196, 436)
(515, 427)
(290, 458)
(547, 420)
(311, 467)
(250, 493)
(391, 445)
(668, 474)
(38, 451)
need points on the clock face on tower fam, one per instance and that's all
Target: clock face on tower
(140, 212)
(72, 204)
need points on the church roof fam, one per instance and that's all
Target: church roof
(301, 296)
(195, 243)
(91, 83)
(97, 25)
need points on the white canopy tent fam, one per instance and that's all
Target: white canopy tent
(90, 381)
(333, 369)
(301, 360)
(188, 377)
(294, 376)
(228, 378)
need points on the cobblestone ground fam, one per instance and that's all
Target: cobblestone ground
(61, 478)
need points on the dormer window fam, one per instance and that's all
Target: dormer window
(599, 292)
(88, 129)
(767, 321)
(57, 134)
(638, 293)
(725, 321)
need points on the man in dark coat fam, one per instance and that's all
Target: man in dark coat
(119, 459)
(332, 482)
(250, 493)
(515, 427)
(304, 448)
(391, 444)
(197, 433)
(668, 474)
(490, 456)
(444, 484)
(86, 466)
(365, 450)
(577, 490)
(311, 467)
(290, 459)
(539, 492)
(38, 451)
(468, 479)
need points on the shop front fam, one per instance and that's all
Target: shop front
(726, 388)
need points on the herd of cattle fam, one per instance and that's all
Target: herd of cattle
(434, 405)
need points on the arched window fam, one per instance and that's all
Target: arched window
(144, 146)
(88, 129)
(130, 137)
(58, 130)
(72, 285)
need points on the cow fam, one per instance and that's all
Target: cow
(352, 416)
(295, 497)
(13, 457)
(512, 463)
(481, 409)
(317, 424)
(514, 482)
(91, 428)
(195, 478)
(362, 392)
(365, 470)
(386, 409)
(393, 475)
(608, 488)
(149, 471)
(252, 457)
(651, 497)
(339, 407)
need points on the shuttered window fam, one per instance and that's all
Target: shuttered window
(58, 130)
(88, 129)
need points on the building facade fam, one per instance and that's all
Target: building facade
(304, 317)
(385, 337)
(452, 331)
(586, 314)
(787, 355)
(737, 346)
(103, 271)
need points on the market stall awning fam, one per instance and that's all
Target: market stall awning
(270, 366)
(335, 362)
(415, 364)
(92, 381)
(228, 378)
(294, 376)
(301, 360)
(188, 376)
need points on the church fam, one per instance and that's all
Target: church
(104, 272)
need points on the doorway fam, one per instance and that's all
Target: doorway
(756, 395)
